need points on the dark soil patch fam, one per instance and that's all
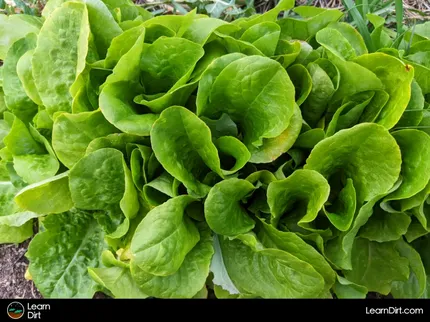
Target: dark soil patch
(13, 265)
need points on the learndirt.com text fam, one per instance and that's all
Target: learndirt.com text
(394, 310)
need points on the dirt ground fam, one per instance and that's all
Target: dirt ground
(13, 265)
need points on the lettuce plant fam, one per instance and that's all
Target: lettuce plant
(175, 155)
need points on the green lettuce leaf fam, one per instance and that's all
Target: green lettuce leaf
(301, 195)
(15, 95)
(311, 21)
(268, 272)
(414, 111)
(246, 100)
(59, 57)
(264, 36)
(166, 229)
(24, 70)
(190, 277)
(302, 82)
(47, 197)
(118, 281)
(60, 255)
(106, 189)
(325, 79)
(396, 78)
(345, 289)
(415, 149)
(16, 225)
(287, 241)
(224, 211)
(14, 27)
(80, 129)
(339, 249)
(415, 286)
(189, 160)
(160, 189)
(377, 265)
(383, 226)
(166, 85)
(221, 280)
(103, 26)
(33, 157)
(366, 153)
(118, 92)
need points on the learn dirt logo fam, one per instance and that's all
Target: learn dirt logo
(15, 310)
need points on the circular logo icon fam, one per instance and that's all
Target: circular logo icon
(15, 310)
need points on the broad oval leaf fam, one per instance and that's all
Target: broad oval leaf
(415, 149)
(287, 241)
(305, 187)
(366, 153)
(59, 57)
(269, 272)
(396, 77)
(47, 197)
(187, 280)
(187, 151)
(72, 133)
(223, 210)
(249, 89)
(60, 256)
(14, 92)
(165, 230)
(377, 265)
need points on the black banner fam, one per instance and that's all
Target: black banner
(141, 310)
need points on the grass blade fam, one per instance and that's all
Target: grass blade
(373, 4)
(376, 4)
(399, 16)
(359, 6)
(365, 7)
(361, 25)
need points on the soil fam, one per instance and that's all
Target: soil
(13, 265)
